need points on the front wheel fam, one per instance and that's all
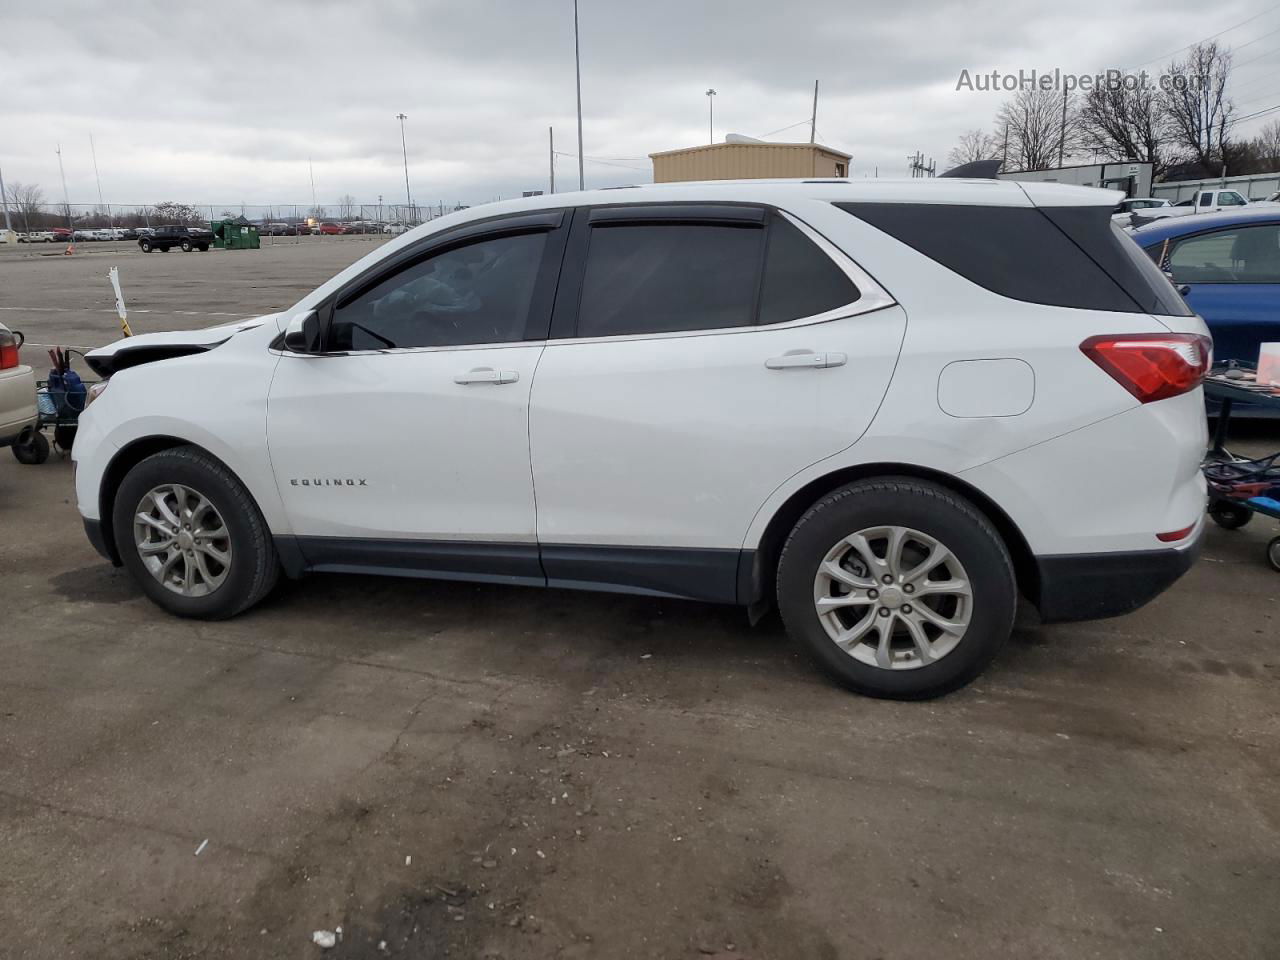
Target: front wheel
(898, 588)
(192, 537)
(1273, 553)
(146, 246)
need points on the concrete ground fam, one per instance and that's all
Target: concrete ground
(474, 771)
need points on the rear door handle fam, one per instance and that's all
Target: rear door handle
(487, 375)
(805, 360)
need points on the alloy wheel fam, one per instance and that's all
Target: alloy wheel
(892, 597)
(182, 540)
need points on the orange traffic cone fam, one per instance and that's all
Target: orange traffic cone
(71, 248)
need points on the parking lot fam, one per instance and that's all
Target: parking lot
(489, 771)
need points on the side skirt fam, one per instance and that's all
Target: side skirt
(694, 574)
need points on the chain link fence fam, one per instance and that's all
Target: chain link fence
(272, 219)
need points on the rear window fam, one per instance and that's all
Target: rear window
(1033, 254)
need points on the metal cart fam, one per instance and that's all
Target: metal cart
(56, 408)
(1239, 489)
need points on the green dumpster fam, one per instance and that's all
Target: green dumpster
(235, 234)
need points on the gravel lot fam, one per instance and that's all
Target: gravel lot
(476, 771)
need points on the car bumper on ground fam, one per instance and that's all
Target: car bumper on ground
(1093, 586)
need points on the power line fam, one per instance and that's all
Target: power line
(1237, 66)
(1206, 39)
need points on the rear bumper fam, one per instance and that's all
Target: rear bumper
(1093, 586)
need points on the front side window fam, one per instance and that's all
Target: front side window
(1231, 199)
(1242, 255)
(661, 278)
(478, 293)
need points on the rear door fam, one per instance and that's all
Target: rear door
(701, 355)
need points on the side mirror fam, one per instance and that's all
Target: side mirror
(302, 335)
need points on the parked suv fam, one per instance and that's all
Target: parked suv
(174, 235)
(885, 407)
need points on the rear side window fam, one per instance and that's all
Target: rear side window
(1241, 255)
(1019, 252)
(799, 279)
(661, 278)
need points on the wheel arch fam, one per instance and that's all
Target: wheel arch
(758, 568)
(125, 459)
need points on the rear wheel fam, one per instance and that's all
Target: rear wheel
(1229, 516)
(1273, 553)
(186, 246)
(31, 447)
(191, 536)
(898, 588)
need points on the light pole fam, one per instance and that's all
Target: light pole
(711, 117)
(577, 72)
(405, 150)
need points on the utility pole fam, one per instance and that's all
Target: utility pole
(711, 118)
(551, 154)
(813, 121)
(312, 170)
(94, 153)
(4, 201)
(1004, 152)
(1062, 139)
(577, 72)
(408, 201)
(66, 202)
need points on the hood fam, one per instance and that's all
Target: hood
(150, 347)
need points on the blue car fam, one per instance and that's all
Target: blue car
(1230, 262)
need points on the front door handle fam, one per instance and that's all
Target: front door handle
(487, 375)
(805, 360)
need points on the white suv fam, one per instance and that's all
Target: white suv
(885, 407)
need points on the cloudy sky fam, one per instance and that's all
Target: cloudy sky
(224, 102)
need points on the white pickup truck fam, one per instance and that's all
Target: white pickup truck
(1205, 201)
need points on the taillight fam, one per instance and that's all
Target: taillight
(1152, 366)
(8, 350)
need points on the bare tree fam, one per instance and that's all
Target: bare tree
(170, 211)
(1123, 123)
(973, 145)
(1035, 129)
(1266, 145)
(346, 206)
(27, 200)
(1198, 108)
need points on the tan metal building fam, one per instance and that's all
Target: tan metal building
(748, 161)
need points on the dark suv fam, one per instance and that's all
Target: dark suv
(188, 238)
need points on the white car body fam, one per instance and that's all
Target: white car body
(17, 391)
(1205, 201)
(673, 462)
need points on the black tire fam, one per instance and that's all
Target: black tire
(64, 436)
(186, 246)
(920, 506)
(145, 245)
(31, 447)
(1228, 515)
(254, 565)
(1273, 553)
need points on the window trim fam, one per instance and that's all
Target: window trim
(1154, 251)
(537, 320)
(564, 327)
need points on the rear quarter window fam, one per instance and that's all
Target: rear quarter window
(1060, 257)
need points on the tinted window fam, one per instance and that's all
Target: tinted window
(1243, 255)
(1016, 252)
(659, 278)
(1206, 199)
(1231, 199)
(478, 293)
(799, 279)
(1121, 258)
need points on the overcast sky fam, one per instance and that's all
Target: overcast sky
(224, 102)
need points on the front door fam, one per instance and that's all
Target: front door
(404, 443)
